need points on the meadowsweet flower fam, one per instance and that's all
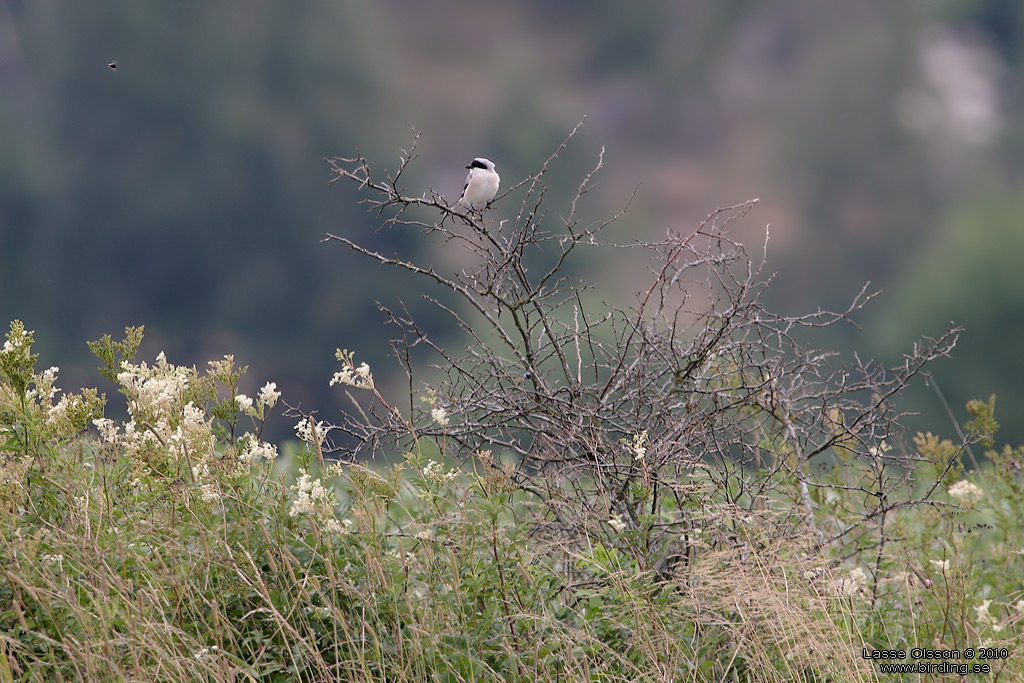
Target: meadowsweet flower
(193, 433)
(17, 338)
(154, 393)
(431, 469)
(206, 486)
(358, 377)
(639, 446)
(881, 450)
(209, 492)
(245, 404)
(859, 576)
(45, 383)
(161, 421)
(257, 450)
(984, 617)
(311, 498)
(305, 431)
(57, 414)
(407, 557)
(303, 504)
(339, 528)
(812, 574)
(616, 522)
(965, 492)
(853, 583)
(439, 415)
(269, 394)
(54, 560)
(434, 471)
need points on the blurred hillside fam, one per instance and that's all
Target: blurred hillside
(186, 190)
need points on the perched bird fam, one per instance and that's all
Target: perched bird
(481, 185)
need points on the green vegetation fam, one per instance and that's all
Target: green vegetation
(176, 546)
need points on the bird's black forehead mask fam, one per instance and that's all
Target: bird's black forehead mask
(477, 164)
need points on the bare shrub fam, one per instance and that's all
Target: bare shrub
(660, 426)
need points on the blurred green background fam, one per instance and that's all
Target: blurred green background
(186, 190)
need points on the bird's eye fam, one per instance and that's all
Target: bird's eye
(112, 65)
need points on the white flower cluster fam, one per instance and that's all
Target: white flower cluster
(880, 450)
(54, 560)
(639, 445)
(269, 394)
(245, 404)
(266, 400)
(206, 652)
(339, 528)
(45, 384)
(311, 496)
(434, 471)
(34, 393)
(313, 499)
(108, 430)
(209, 491)
(193, 434)
(358, 377)
(304, 430)
(256, 450)
(439, 415)
(966, 492)
(164, 425)
(986, 618)
(852, 584)
(57, 414)
(154, 393)
(158, 415)
(16, 341)
(616, 522)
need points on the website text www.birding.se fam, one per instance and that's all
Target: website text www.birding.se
(923, 661)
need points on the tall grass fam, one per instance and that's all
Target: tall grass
(239, 570)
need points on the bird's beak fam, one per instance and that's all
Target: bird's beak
(470, 166)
